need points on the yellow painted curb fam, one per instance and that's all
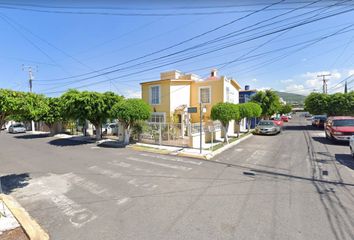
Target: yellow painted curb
(29, 225)
(151, 150)
(182, 154)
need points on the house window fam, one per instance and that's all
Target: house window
(227, 94)
(157, 117)
(155, 95)
(204, 94)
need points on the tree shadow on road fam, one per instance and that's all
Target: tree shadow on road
(111, 144)
(68, 142)
(13, 181)
(345, 159)
(324, 140)
(33, 136)
(301, 128)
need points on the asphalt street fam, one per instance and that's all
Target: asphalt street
(295, 185)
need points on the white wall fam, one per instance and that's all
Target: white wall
(234, 94)
(179, 95)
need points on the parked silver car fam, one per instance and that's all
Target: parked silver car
(267, 127)
(110, 129)
(351, 145)
(17, 128)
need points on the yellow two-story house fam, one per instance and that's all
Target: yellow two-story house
(175, 92)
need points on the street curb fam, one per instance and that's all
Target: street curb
(151, 150)
(190, 155)
(231, 145)
(29, 225)
(208, 156)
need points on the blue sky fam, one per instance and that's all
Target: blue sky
(63, 41)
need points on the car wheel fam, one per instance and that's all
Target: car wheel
(326, 135)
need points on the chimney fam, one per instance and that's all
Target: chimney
(214, 72)
(247, 87)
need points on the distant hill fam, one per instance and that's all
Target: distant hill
(292, 97)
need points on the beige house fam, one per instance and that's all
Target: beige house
(175, 93)
(171, 95)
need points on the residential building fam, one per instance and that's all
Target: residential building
(246, 96)
(174, 93)
(171, 95)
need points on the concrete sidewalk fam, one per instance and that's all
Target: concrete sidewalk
(189, 152)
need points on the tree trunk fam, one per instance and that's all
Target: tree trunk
(2, 120)
(127, 135)
(51, 129)
(238, 129)
(226, 129)
(98, 131)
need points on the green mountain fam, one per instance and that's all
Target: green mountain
(292, 97)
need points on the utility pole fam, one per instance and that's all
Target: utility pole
(30, 80)
(200, 127)
(346, 87)
(324, 80)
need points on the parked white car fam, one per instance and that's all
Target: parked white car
(351, 145)
(17, 128)
(110, 129)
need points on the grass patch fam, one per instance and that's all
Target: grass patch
(150, 149)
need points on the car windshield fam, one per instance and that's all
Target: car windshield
(343, 122)
(18, 125)
(266, 124)
(319, 117)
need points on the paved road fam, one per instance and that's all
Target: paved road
(302, 188)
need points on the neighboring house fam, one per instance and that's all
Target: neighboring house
(171, 95)
(246, 96)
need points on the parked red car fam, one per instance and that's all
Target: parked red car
(284, 118)
(339, 128)
(278, 121)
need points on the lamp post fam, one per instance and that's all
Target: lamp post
(201, 111)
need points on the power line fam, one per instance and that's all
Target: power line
(129, 74)
(145, 70)
(133, 13)
(177, 44)
(190, 48)
(220, 48)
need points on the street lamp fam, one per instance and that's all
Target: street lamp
(202, 109)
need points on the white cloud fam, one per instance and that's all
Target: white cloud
(295, 87)
(132, 94)
(335, 74)
(263, 88)
(350, 72)
(312, 79)
(254, 80)
(286, 81)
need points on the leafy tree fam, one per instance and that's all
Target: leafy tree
(11, 103)
(269, 102)
(129, 112)
(34, 107)
(317, 103)
(54, 113)
(240, 112)
(341, 104)
(251, 110)
(285, 108)
(224, 112)
(93, 106)
(333, 105)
